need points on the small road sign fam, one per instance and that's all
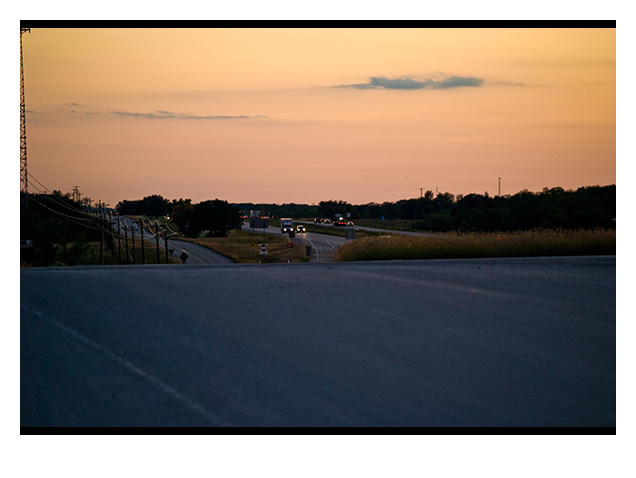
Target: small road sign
(252, 244)
(290, 244)
(184, 256)
(288, 260)
(263, 249)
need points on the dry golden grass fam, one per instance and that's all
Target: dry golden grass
(470, 245)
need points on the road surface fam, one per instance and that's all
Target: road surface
(473, 342)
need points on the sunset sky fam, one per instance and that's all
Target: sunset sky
(304, 115)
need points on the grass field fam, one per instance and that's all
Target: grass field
(473, 245)
(242, 247)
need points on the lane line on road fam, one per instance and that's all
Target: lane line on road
(316, 249)
(331, 245)
(131, 367)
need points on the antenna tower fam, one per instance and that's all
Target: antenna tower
(24, 180)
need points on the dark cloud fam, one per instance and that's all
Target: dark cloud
(405, 83)
(158, 114)
(457, 82)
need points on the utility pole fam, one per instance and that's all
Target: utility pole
(112, 240)
(499, 194)
(132, 230)
(157, 239)
(100, 214)
(24, 179)
(126, 234)
(141, 231)
(165, 239)
(119, 238)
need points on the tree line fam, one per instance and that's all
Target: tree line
(583, 208)
(214, 217)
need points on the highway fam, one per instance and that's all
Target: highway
(473, 342)
(323, 245)
(375, 229)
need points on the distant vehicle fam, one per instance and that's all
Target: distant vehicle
(317, 220)
(286, 225)
(300, 228)
(326, 221)
(340, 223)
(350, 224)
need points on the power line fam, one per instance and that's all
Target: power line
(56, 198)
(74, 218)
(67, 217)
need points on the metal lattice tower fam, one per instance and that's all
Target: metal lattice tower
(24, 180)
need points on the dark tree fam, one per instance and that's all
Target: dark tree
(155, 206)
(331, 208)
(181, 213)
(217, 217)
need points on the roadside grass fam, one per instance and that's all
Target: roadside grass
(474, 245)
(238, 246)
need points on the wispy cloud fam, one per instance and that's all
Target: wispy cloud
(506, 83)
(162, 114)
(406, 83)
(159, 114)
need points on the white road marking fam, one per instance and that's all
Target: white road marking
(331, 245)
(316, 249)
(131, 367)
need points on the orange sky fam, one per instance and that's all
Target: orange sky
(266, 115)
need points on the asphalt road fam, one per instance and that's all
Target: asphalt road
(483, 342)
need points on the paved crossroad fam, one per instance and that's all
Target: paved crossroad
(483, 342)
